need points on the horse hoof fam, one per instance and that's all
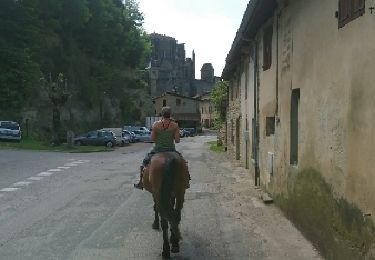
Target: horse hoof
(175, 249)
(155, 226)
(166, 255)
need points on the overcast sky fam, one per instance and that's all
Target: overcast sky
(207, 26)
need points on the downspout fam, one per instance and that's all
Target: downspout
(256, 115)
(226, 119)
(278, 14)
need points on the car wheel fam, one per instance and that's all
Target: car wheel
(109, 144)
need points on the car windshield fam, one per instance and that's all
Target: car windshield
(107, 134)
(11, 126)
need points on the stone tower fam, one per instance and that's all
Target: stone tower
(169, 69)
(207, 73)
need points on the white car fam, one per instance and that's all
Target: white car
(10, 130)
(121, 138)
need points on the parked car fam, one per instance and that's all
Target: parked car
(133, 128)
(10, 130)
(97, 137)
(121, 138)
(130, 135)
(183, 133)
(188, 132)
(142, 136)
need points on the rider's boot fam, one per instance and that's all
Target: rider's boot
(188, 173)
(139, 185)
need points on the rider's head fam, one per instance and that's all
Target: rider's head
(166, 112)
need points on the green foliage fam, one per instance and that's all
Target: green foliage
(218, 99)
(215, 147)
(98, 45)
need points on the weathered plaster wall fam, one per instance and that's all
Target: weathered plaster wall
(333, 68)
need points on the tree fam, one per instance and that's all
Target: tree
(58, 94)
(218, 99)
(99, 45)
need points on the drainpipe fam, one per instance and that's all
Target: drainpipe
(256, 114)
(277, 63)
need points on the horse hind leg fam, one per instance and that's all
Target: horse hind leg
(175, 242)
(166, 254)
(156, 224)
(175, 230)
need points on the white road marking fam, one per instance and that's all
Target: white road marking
(63, 167)
(78, 162)
(35, 178)
(70, 164)
(54, 170)
(9, 189)
(21, 183)
(44, 174)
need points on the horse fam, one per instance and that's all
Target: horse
(166, 178)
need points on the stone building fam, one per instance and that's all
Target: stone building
(171, 71)
(301, 115)
(184, 109)
(172, 74)
(206, 110)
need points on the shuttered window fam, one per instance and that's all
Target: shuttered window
(350, 10)
(267, 47)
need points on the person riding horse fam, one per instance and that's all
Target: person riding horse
(165, 133)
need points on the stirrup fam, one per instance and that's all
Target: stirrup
(138, 186)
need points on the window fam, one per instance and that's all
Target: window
(164, 102)
(295, 103)
(267, 47)
(178, 102)
(350, 10)
(270, 126)
(232, 132)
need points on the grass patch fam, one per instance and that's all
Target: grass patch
(215, 147)
(30, 144)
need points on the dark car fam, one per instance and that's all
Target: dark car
(188, 132)
(98, 137)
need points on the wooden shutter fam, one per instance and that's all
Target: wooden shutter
(350, 10)
(344, 12)
(358, 8)
(267, 47)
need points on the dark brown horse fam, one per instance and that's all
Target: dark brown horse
(166, 178)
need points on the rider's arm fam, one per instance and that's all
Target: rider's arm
(153, 132)
(177, 134)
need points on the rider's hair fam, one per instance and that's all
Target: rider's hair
(166, 112)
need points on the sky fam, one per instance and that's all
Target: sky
(206, 26)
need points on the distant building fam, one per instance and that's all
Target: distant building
(206, 111)
(184, 109)
(171, 71)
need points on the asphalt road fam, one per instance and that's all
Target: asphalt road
(84, 206)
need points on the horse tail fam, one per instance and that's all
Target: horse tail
(166, 209)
